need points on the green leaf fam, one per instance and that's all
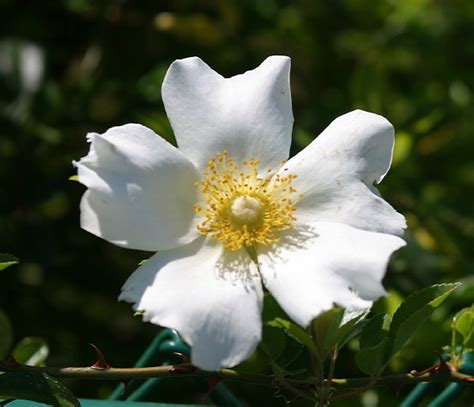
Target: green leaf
(375, 345)
(329, 333)
(7, 260)
(381, 338)
(271, 309)
(296, 332)
(6, 335)
(38, 387)
(74, 178)
(415, 310)
(375, 330)
(291, 352)
(257, 362)
(273, 341)
(463, 322)
(372, 360)
(31, 351)
(324, 329)
(274, 317)
(350, 330)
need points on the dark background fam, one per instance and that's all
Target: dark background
(95, 64)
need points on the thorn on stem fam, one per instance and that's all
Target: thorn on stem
(442, 367)
(182, 369)
(100, 364)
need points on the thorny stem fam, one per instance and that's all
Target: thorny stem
(185, 370)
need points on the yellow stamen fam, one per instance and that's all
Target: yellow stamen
(240, 207)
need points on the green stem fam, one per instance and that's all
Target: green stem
(186, 370)
(332, 365)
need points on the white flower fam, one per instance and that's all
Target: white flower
(228, 216)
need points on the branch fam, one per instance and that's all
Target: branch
(402, 379)
(186, 370)
(120, 374)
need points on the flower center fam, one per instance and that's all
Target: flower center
(241, 207)
(246, 210)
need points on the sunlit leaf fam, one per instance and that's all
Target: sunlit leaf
(31, 351)
(415, 310)
(382, 338)
(463, 323)
(7, 260)
(351, 329)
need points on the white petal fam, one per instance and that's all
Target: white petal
(336, 174)
(248, 115)
(327, 264)
(212, 298)
(140, 190)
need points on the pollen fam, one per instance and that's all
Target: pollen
(243, 208)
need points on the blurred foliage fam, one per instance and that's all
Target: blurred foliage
(72, 66)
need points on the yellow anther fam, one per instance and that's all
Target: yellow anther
(241, 207)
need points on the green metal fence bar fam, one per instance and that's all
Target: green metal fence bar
(417, 395)
(449, 394)
(164, 350)
(159, 352)
(151, 357)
